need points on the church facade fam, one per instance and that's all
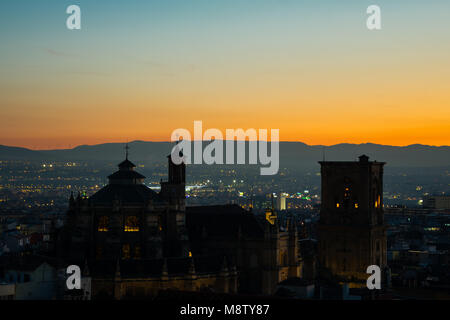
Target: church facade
(133, 241)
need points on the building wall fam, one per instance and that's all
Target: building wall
(149, 287)
(156, 232)
(7, 291)
(262, 262)
(437, 202)
(351, 230)
(41, 285)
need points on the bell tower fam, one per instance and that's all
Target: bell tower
(174, 189)
(351, 230)
(174, 219)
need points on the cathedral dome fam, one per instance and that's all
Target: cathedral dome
(125, 185)
(126, 174)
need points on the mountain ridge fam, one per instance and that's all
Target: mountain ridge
(292, 153)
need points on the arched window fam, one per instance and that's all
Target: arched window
(103, 224)
(131, 224)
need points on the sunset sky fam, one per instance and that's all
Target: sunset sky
(140, 69)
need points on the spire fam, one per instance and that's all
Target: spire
(177, 172)
(126, 173)
(127, 148)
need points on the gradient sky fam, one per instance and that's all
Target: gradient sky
(140, 69)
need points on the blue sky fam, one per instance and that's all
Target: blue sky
(220, 58)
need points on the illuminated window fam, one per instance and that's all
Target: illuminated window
(126, 252)
(103, 223)
(337, 205)
(271, 217)
(356, 205)
(160, 223)
(346, 193)
(378, 202)
(131, 224)
(347, 190)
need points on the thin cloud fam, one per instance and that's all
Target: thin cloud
(60, 53)
(162, 68)
(90, 73)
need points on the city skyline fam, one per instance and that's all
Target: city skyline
(224, 158)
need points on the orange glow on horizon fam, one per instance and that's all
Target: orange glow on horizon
(317, 110)
(318, 79)
(320, 139)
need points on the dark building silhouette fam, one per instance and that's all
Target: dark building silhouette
(127, 219)
(351, 230)
(136, 242)
(263, 253)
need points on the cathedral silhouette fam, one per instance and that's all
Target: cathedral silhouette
(134, 242)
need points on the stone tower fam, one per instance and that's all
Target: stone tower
(174, 194)
(351, 229)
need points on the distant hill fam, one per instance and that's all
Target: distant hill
(292, 154)
(15, 153)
